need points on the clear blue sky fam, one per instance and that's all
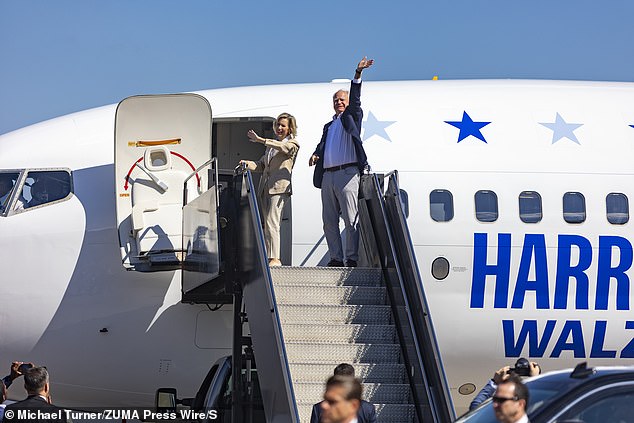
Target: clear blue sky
(61, 56)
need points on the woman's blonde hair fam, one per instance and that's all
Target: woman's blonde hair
(292, 123)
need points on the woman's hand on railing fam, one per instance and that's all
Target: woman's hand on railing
(244, 165)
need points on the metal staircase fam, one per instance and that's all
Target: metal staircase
(334, 315)
(305, 321)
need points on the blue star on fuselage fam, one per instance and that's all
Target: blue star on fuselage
(562, 129)
(373, 126)
(468, 127)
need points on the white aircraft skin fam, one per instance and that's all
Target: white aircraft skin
(63, 281)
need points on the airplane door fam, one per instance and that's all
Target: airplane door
(160, 140)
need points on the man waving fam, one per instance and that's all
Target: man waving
(340, 159)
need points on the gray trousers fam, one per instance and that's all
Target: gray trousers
(340, 196)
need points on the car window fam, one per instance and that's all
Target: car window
(543, 393)
(225, 401)
(217, 384)
(615, 406)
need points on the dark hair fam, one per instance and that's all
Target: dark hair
(521, 391)
(352, 386)
(344, 369)
(35, 379)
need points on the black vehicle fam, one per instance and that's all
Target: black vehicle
(213, 401)
(582, 395)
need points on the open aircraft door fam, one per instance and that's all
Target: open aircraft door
(161, 144)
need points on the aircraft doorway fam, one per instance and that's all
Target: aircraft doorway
(230, 145)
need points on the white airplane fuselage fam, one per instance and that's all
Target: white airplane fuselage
(552, 291)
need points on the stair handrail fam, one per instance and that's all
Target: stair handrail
(214, 162)
(422, 321)
(407, 328)
(272, 309)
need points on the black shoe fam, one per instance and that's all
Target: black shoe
(335, 263)
(351, 263)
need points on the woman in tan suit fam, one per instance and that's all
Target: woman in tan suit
(274, 189)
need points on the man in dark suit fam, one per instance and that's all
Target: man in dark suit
(36, 407)
(366, 412)
(340, 159)
(511, 400)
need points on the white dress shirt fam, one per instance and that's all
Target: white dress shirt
(339, 149)
(524, 419)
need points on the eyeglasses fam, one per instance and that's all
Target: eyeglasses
(502, 400)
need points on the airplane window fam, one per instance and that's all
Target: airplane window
(574, 207)
(618, 404)
(486, 206)
(440, 268)
(617, 207)
(7, 183)
(530, 206)
(441, 205)
(43, 187)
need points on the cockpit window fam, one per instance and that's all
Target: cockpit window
(8, 180)
(43, 187)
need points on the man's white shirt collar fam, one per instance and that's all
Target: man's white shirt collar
(524, 419)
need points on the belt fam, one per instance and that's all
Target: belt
(336, 168)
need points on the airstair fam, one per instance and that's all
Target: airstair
(308, 320)
(180, 215)
(329, 316)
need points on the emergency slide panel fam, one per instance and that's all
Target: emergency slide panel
(159, 141)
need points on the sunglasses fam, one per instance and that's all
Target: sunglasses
(502, 400)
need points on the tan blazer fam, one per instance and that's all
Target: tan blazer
(276, 174)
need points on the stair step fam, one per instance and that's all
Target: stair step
(347, 353)
(392, 413)
(333, 295)
(335, 314)
(395, 412)
(341, 333)
(332, 276)
(373, 392)
(367, 372)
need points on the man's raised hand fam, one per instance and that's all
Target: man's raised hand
(364, 64)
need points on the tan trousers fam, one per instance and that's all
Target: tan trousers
(271, 207)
